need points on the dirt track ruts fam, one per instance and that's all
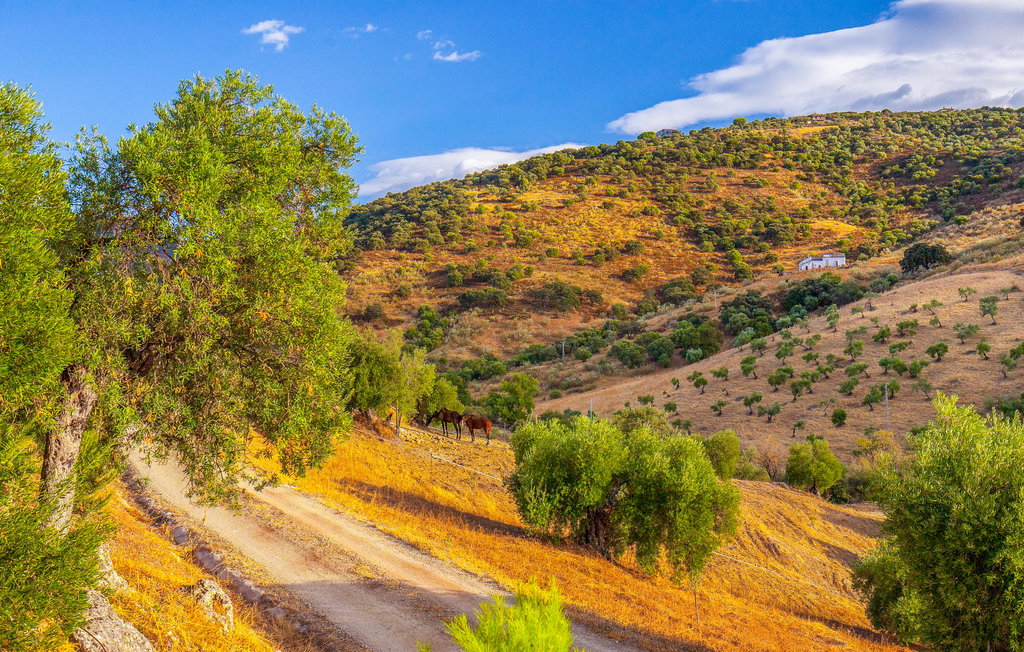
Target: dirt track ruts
(416, 592)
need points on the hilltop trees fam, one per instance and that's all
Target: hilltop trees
(616, 491)
(952, 515)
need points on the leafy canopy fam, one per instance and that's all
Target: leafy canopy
(951, 570)
(201, 261)
(643, 491)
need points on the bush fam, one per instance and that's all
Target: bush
(482, 298)
(723, 449)
(558, 295)
(812, 466)
(513, 402)
(537, 621)
(838, 417)
(656, 495)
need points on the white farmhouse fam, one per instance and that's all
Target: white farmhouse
(818, 262)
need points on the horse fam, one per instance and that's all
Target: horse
(477, 423)
(445, 417)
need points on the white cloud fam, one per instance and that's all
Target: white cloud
(404, 173)
(274, 32)
(354, 32)
(424, 34)
(455, 56)
(920, 55)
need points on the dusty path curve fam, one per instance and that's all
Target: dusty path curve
(408, 603)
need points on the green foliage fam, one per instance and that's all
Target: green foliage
(443, 394)
(723, 449)
(854, 349)
(629, 353)
(429, 331)
(812, 466)
(824, 290)
(202, 265)
(642, 491)
(989, 306)
(630, 419)
(537, 621)
(920, 254)
(482, 298)
(513, 402)
(965, 331)
(748, 309)
(43, 572)
(838, 417)
(937, 350)
(952, 512)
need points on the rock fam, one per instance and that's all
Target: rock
(109, 578)
(104, 631)
(215, 603)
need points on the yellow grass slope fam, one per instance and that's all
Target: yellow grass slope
(783, 584)
(962, 371)
(156, 571)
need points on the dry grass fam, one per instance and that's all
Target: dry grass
(168, 617)
(796, 596)
(962, 371)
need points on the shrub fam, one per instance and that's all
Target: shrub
(482, 298)
(558, 295)
(924, 255)
(629, 353)
(838, 417)
(952, 505)
(537, 621)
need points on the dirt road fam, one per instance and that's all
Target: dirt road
(380, 591)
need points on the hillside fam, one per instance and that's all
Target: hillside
(782, 584)
(962, 371)
(531, 252)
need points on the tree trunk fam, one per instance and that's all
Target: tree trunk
(398, 425)
(63, 444)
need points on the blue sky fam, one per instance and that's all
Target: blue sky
(435, 89)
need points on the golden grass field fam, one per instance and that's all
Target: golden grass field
(784, 585)
(157, 570)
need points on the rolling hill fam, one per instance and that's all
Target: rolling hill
(531, 252)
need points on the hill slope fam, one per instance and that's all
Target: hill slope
(783, 583)
(621, 220)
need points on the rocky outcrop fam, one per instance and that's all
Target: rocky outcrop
(109, 578)
(105, 631)
(214, 602)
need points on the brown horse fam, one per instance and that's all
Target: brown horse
(448, 417)
(477, 423)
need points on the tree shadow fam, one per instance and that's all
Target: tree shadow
(403, 500)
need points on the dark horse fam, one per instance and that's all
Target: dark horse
(477, 423)
(448, 417)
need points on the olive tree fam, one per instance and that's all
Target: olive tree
(641, 491)
(201, 265)
(949, 572)
(47, 556)
(812, 466)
